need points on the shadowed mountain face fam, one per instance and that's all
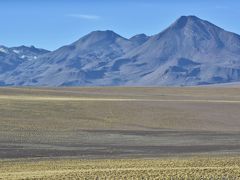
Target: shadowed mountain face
(191, 51)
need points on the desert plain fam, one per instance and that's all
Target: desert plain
(45, 132)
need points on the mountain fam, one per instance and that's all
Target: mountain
(139, 39)
(191, 51)
(28, 53)
(76, 64)
(10, 58)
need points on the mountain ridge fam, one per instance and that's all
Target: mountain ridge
(191, 51)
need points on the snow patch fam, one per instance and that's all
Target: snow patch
(16, 51)
(3, 50)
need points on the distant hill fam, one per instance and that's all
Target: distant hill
(191, 51)
(11, 58)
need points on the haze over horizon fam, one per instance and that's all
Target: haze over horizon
(51, 24)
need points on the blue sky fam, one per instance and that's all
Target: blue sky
(52, 23)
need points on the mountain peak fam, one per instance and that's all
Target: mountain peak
(139, 38)
(190, 17)
(108, 33)
(102, 32)
(186, 20)
(99, 36)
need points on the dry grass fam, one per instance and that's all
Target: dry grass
(182, 168)
(70, 109)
